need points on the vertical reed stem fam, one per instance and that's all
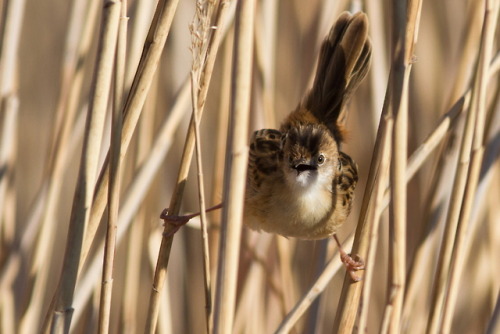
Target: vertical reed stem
(236, 166)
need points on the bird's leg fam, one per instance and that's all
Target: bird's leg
(352, 264)
(177, 221)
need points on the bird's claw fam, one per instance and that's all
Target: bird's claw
(174, 221)
(353, 264)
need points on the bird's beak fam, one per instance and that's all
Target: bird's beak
(302, 165)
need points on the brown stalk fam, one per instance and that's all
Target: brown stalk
(13, 19)
(476, 158)
(129, 315)
(218, 169)
(175, 203)
(349, 298)
(448, 123)
(114, 172)
(136, 192)
(457, 195)
(236, 166)
(66, 130)
(153, 47)
(331, 268)
(8, 157)
(59, 314)
(407, 18)
(397, 208)
(63, 144)
(351, 293)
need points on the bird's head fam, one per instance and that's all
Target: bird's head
(310, 155)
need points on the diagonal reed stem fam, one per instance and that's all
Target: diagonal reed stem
(60, 312)
(175, 203)
(459, 186)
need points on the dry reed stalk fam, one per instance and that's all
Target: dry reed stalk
(236, 166)
(375, 215)
(408, 19)
(265, 62)
(135, 244)
(30, 318)
(8, 156)
(314, 291)
(136, 192)
(348, 303)
(14, 16)
(445, 125)
(72, 80)
(59, 314)
(153, 47)
(8, 148)
(7, 312)
(476, 158)
(200, 31)
(9, 115)
(218, 168)
(258, 279)
(494, 324)
(378, 73)
(222, 14)
(396, 279)
(420, 263)
(9, 59)
(457, 194)
(48, 196)
(351, 293)
(264, 101)
(114, 172)
(203, 217)
(286, 273)
(249, 295)
(165, 320)
(265, 58)
(129, 315)
(467, 50)
(143, 14)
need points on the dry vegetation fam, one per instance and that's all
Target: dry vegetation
(171, 93)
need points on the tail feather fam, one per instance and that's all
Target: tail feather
(343, 63)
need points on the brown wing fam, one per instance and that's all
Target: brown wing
(264, 157)
(346, 181)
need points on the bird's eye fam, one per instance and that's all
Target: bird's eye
(321, 159)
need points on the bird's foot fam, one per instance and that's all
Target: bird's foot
(352, 263)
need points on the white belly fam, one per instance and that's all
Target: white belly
(302, 214)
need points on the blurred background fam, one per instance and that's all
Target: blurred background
(44, 81)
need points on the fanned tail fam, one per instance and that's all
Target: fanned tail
(343, 63)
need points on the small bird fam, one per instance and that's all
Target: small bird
(299, 182)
